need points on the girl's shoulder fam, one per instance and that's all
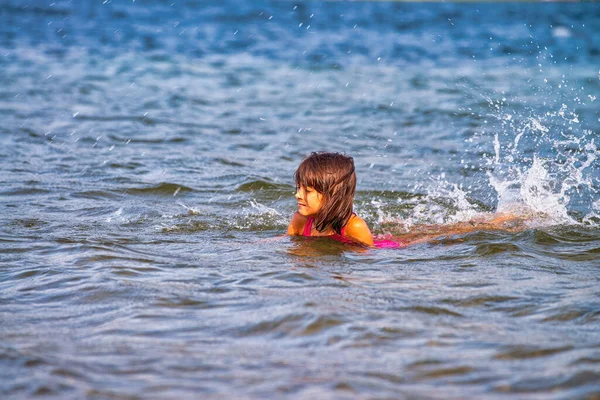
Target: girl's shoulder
(357, 229)
(297, 224)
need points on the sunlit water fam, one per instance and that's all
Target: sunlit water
(147, 157)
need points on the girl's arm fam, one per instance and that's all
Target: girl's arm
(501, 221)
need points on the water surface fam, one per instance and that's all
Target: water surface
(147, 160)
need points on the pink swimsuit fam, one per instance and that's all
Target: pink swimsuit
(379, 243)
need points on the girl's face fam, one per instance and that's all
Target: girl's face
(309, 201)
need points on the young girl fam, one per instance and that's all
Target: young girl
(325, 186)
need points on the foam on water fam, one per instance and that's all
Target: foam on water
(554, 175)
(445, 203)
(540, 164)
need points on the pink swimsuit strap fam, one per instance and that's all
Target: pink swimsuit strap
(308, 227)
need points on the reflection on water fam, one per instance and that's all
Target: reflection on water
(147, 156)
(322, 247)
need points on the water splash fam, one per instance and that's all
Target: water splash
(532, 191)
(446, 203)
(553, 174)
(258, 217)
(190, 210)
(542, 164)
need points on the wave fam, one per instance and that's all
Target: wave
(161, 189)
(258, 184)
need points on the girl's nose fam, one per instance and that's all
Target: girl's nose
(298, 195)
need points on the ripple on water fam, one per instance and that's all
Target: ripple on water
(294, 277)
(588, 360)
(492, 249)
(277, 327)
(437, 373)
(189, 227)
(20, 191)
(583, 314)
(566, 234)
(294, 325)
(573, 255)
(161, 189)
(175, 301)
(481, 300)
(96, 195)
(432, 310)
(584, 384)
(364, 337)
(257, 184)
(146, 140)
(528, 352)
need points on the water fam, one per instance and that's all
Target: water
(147, 159)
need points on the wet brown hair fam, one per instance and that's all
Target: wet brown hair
(332, 175)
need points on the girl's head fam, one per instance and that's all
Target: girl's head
(325, 189)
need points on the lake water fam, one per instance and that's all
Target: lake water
(147, 153)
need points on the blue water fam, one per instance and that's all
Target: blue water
(147, 150)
